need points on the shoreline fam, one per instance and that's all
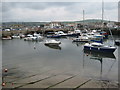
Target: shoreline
(10, 33)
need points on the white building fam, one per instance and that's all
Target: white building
(55, 25)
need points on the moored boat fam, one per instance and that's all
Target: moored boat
(6, 38)
(33, 38)
(105, 34)
(52, 42)
(61, 33)
(117, 42)
(97, 40)
(81, 39)
(99, 47)
(16, 37)
(72, 34)
(53, 36)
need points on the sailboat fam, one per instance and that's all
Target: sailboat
(82, 38)
(103, 32)
(99, 46)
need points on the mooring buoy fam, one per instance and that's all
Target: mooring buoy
(3, 84)
(6, 70)
(34, 47)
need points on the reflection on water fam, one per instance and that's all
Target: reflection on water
(54, 47)
(22, 59)
(95, 56)
(100, 54)
(78, 43)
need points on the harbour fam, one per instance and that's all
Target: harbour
(46, 67)
(65, 45)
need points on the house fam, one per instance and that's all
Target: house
(55, 25)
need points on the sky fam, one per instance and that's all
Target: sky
(57, 11)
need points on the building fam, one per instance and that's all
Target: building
(55, 25)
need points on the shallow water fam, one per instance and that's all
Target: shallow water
(22, 59)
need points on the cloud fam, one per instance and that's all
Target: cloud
(59, 0)
(55, 11)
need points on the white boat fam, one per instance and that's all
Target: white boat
(39, 37)
(61, 33)
(78, 32)
(99, 47)
(34, 37)
(30, 38)
(52, 42)
(6, 38)
(16, 37)
(22, 36)
(81, 39)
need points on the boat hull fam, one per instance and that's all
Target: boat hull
(53, 36)
(80, 41)
(8, 38)
(73, 35)
(101, 49)
(52, 44)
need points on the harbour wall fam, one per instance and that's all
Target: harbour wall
(12, 32)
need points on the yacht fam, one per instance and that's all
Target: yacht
(99, 47)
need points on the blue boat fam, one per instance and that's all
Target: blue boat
(99, 47)
(73, 35)
(98, 41)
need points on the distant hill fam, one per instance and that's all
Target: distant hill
(63, 22)
(88, 21)
(94, 20)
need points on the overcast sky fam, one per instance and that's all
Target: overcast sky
(57, 11)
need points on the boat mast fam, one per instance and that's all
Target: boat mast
(111, 35)
(83, 19)
(102, 14)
